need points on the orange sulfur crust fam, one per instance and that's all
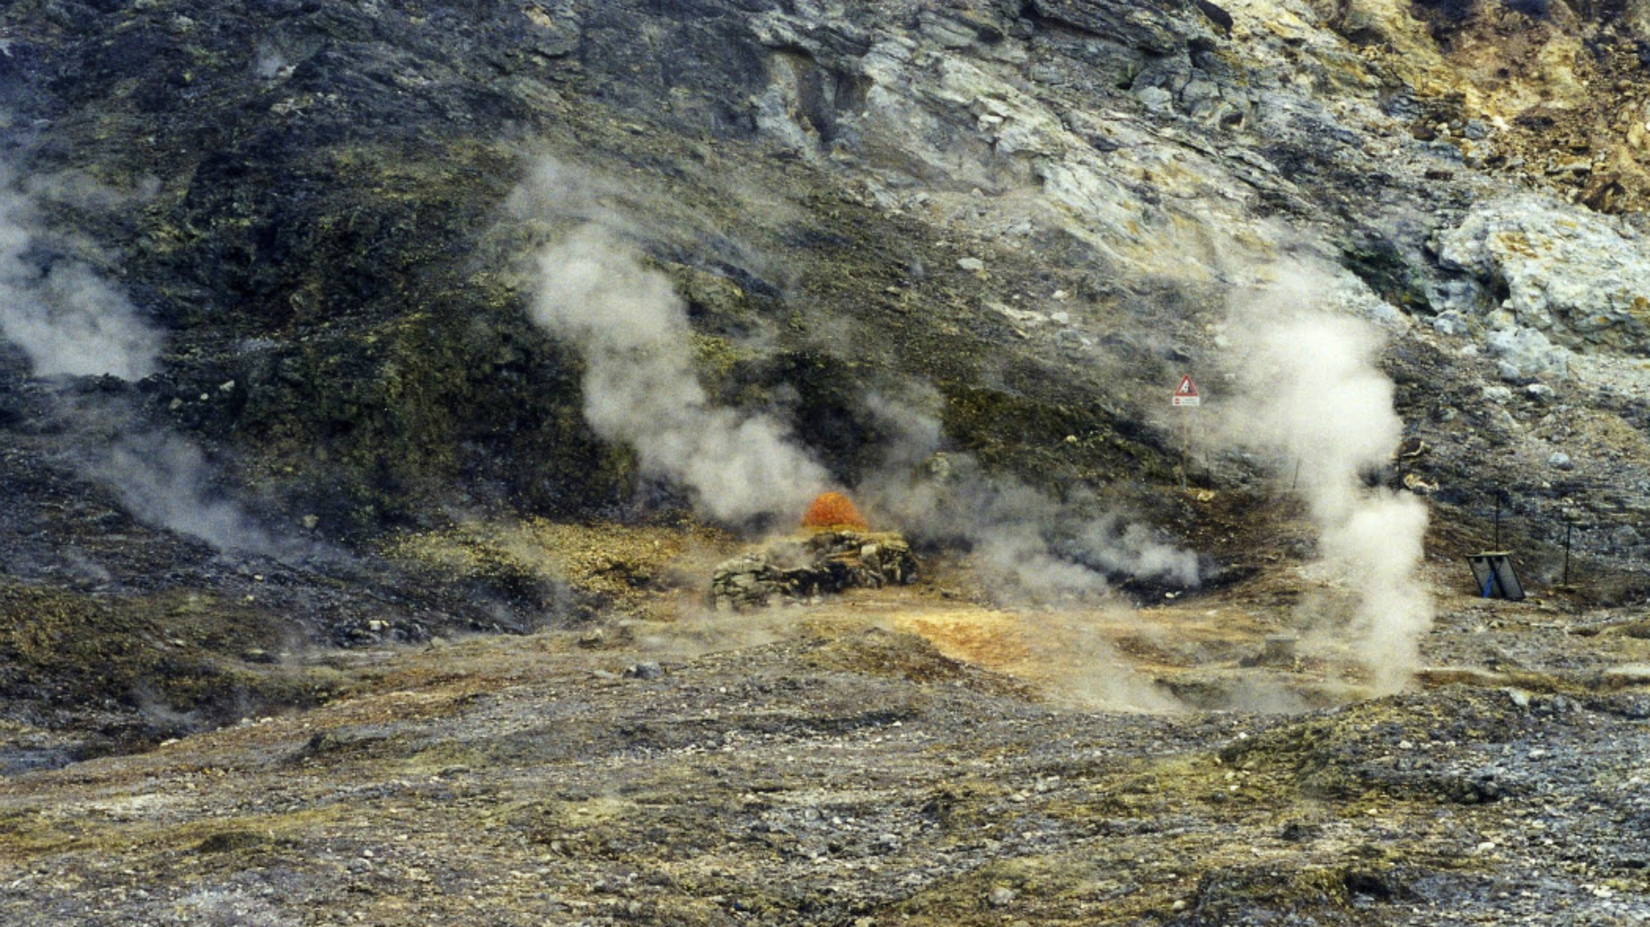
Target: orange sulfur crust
(833, 510)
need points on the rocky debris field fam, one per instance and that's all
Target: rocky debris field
(892, 756)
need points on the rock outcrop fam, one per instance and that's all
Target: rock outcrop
(821, 563)
(1580, 279)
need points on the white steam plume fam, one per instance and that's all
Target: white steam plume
(640, 387)
(1313, 397)
(69, 320)
(165, 480)
(66, 318)
(1031, 547)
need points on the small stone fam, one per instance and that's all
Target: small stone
(1450, 323)
(1526, 350)
(647, 670)
(1419, 486)
(1560, 461)
(1154, 98)
(1002, 896)
(971, 264)
(1497, 394)
(1540, 392)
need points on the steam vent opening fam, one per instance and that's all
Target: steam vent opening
(833, 510)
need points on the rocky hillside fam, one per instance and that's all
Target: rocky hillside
(335, 327)
(300, 236)
(1032, 210)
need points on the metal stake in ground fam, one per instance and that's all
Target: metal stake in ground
(1569, 526)
(1185, 397)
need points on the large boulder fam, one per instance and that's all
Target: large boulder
(1581, 280)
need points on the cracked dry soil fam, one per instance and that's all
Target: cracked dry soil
(899, 756)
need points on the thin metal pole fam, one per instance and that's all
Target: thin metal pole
(1183, 441)
(1569, 525)
(1498, 494)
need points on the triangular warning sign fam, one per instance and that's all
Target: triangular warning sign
(1186, 393)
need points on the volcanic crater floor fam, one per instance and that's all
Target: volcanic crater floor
(911, 755)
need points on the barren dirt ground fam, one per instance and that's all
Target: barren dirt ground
(902, 756)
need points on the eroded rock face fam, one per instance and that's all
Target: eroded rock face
(321, 226)
(1558, 83)
(821, 563)
(1580, 279)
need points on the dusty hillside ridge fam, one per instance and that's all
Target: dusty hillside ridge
(391, 392)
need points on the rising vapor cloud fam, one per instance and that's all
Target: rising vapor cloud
(65, 317)
(1032, 548)
(640, 387)
(1311, 394)
(68, 320)
(164, 479)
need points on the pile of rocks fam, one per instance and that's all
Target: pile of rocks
(803, 567)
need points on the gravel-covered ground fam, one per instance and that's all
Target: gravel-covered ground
(820, 765)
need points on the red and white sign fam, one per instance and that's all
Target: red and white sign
(1186, 393)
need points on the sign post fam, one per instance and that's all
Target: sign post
(1185, 397)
